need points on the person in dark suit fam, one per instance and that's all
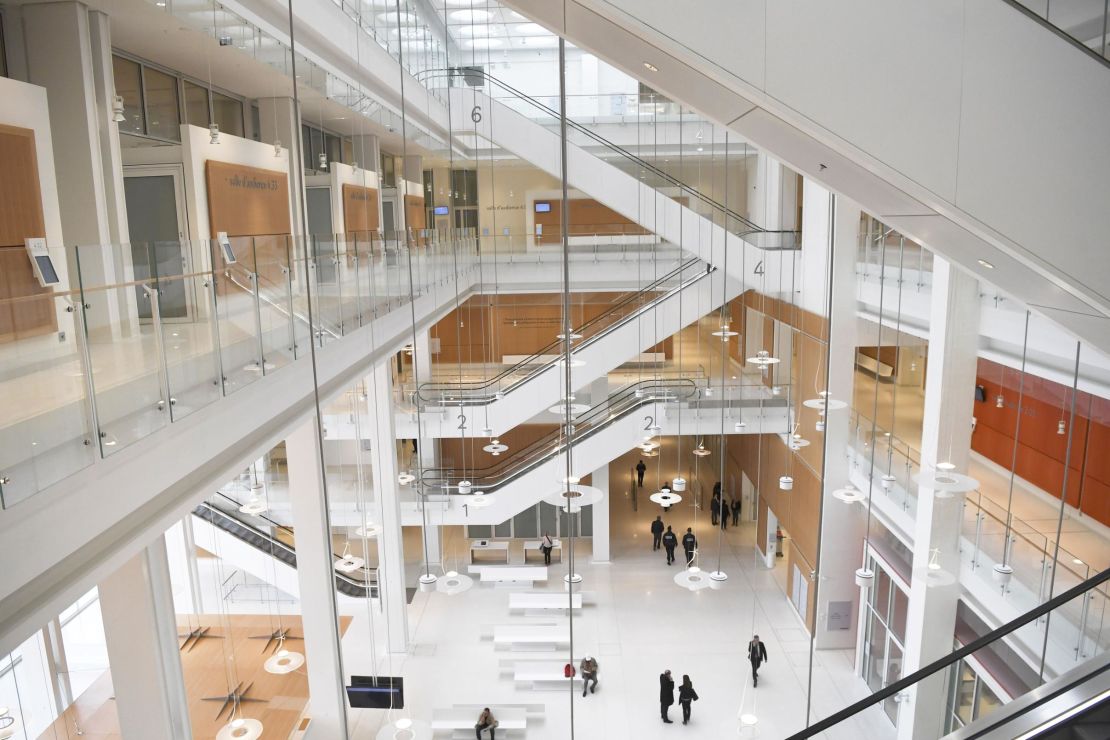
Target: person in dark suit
(715, 506)
(640, 470)
(735, 512)
(757, 655)
(686, 695)
(656, 533)
(724, 513)
(666, 694)
(670, 540)
(689, 544)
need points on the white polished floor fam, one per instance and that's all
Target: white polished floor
(640, 624)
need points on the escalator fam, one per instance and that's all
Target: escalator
(647, 408)
(275, 540)
(1074, 705)
(511, 395)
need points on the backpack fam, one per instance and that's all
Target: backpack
(568, 671)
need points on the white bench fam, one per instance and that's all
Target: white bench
(464, 718)
(532, 711)
(507, 574)
(498, 546)
(534, 546)
(544, 674)
(535, 600)
(530, 637)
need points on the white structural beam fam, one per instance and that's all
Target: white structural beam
(316, 577)
(140, 630)
(945, 438)
(391, 550)
(832, 223)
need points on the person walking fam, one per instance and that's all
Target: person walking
(670, 540)
(546, 546)
(666, 694)
(724, 513)
(686, 695)
(486, 720)
(588, 668)
(736, 512)
(656, 533)
(640, 470)
(715, 505)
(689, 544)
(757, 655)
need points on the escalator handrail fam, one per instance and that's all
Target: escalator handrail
(939, 665)
(543, 447)
(454, 72)
(339, 577)
(555, 346)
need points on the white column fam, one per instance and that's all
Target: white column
(833, 221)
(140, 630)
(764, 191)
(600, 478)
(182, 552)
(391, 550)
(316, 579)
(59, 51)
(945, 437)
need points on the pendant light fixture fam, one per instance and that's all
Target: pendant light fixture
(117, 109)
(256, 502)
(348, 563)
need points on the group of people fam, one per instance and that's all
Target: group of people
(720, 510)
(662, 536)
(757, 656)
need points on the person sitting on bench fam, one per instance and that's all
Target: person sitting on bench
(486, 719)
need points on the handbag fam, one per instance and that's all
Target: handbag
(568, 671)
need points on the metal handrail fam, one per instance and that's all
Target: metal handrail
(553, 347)
(624, 402)
(752, 228)
(956, 655)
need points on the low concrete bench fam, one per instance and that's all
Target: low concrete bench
(541, 601)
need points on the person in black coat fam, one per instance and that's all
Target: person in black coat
(640, 470)
(724, 513)
(666, 694)
(735, 512)
(670, 540)
(689, 544)
(686, 695)
(757, 655)
(656, 533)
(715, 506)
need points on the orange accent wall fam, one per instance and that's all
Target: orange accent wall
(1041, 452)
(360, 209)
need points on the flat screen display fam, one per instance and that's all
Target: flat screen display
(46, 269)
(543, 207)
(440, 210)
(387, 693)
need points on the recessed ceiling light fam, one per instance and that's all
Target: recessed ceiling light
(469, 16)
(986, 264)
(651, 66)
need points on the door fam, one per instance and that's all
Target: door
(318, 204)
(155, 220)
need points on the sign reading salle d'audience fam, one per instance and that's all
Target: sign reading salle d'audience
(246, 201)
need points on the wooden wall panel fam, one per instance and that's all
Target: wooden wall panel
(26, 308)
(416, 217)
(360, 209)
(246, 201)
(21, 213)
(451, 449)
(584, 216)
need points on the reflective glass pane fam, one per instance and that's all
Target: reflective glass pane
(128, 85)
(163, 116)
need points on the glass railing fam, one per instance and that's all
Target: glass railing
(652, 174)
(507, 379)
(1045, 625)
(685, 392)
(1084, 22)
(108, 362)
(986, 539)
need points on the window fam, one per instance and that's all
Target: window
(3, 50)
(333, 148)
(388, 171)
(227, 113)
(884, 622)
(196, 105)
(129, 86)
(256, 123)
(162, 111)
(969, 696)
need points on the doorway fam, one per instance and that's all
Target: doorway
(155, 197)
